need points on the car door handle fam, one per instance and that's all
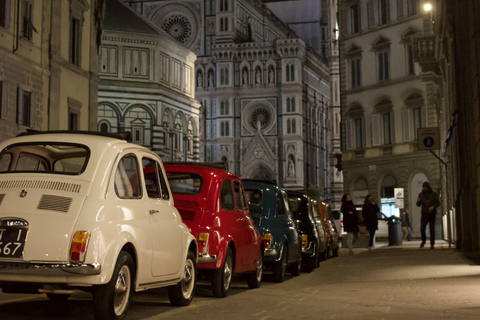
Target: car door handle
(153, 211)
(241, 219)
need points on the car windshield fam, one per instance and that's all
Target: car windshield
(185, 182)
(44, 157)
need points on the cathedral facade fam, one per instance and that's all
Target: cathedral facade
(264, 93)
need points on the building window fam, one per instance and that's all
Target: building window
(291, 104)
(411, 64)
(411, 7)
(4, 13)
(224, 24)
(27, 27)
(223, 5)
(354, 19)
(75, 41)
(290, 70)
(224, 129)
(356, 72)
(383, 65)
(104, 127)
(72, 121)
(387, 136)
(358, 133)
(383, 14)
(224, 108)
(291, 126)
(224, 76)
(3, 100)
(24, 108)
(137, 134)
(417, 121)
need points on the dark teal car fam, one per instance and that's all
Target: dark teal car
(271, 214)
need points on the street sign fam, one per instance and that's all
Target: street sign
(398, 193)
(428, 138)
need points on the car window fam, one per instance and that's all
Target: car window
(254, 196)
(154, 179)
(240, 196)
(27, 162)
(184, 182)
(127, 182)
(150, 174)
(45, 157)
(227, 201)
(280, 204)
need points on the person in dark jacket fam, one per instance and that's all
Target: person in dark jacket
(369, 212)
(429, 202)
(350, 221)
(405, 221)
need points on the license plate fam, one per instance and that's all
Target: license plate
(12, 242)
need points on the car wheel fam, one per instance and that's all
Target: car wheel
(223, 277)
(182, 293)
(254, 279)
(280, 266)
(58, 297)
(295, 269)
(111, 300)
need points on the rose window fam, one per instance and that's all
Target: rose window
(261, 118)
(179, 27)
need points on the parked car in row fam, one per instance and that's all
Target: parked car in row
(90, 211)
(331, 235)
(213, 205)
(271, 214)
(302, 210)
(323, 232)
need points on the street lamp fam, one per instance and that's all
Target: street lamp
(427, 7)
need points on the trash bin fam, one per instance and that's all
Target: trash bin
(394, 232)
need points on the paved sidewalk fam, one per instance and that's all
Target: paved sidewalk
(402, 282)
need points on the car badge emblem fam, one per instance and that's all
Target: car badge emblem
(23, 194)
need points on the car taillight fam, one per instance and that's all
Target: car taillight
(203, 242)
(304, 240)
(267, 240)
(79, 246)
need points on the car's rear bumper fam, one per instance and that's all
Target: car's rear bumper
(50, 269)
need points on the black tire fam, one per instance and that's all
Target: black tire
(222, 278)
(182, 293)
(280, 266)
(254, 279)
(58, 297)
(295, 269)
(111, 300)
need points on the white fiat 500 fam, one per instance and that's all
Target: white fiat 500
(90, 211)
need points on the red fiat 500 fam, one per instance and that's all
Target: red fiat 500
(213, 205)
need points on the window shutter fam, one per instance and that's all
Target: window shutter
(4, 102)
(392, 127)
(376, 130)
(7, 14)
(349, 134)
(19, 105)
(345, 20)
(371, 13)
(387, 4)
(400, 6)
(407, 125)
(33, 110)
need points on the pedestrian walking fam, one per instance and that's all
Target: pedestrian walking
(350, 221)
(370, 218)
(406, 227)
(429, 202)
